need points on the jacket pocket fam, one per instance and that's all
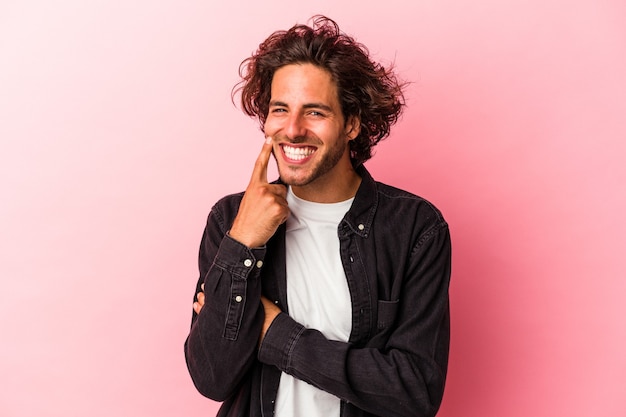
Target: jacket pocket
(387, 311)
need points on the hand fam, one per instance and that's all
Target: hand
(271, 311)
(197, 306)
(263, 207)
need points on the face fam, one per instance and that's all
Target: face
(307, 126)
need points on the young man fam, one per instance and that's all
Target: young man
(324, 293)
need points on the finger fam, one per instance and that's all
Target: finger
(200, 298)
(280, 190)
(260, 166)
(266, 302)
(197, 308)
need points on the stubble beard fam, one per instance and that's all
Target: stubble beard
(328, 162)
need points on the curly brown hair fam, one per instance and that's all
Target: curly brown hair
(366, 89)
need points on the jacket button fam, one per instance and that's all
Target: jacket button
(247, 263)
(361, 226)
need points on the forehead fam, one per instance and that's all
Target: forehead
(304, 82)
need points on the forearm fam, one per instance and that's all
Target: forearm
(382, 382)
(223, 339)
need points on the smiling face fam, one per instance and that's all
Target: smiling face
(310, 133)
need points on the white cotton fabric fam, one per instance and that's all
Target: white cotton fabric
(317, 295)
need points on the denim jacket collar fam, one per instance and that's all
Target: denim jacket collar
(361, 214)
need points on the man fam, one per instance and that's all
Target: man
(324, 293)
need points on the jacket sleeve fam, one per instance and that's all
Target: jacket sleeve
(404, 376)
(222, 342)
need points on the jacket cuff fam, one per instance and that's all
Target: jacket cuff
(279, 342)
(239, 259)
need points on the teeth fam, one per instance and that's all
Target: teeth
(297, 154)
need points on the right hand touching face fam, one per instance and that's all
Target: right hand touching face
(264, 205)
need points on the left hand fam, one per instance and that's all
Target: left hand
(197, 306)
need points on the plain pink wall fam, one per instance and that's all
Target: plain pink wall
(117, 134)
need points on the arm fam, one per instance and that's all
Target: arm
(224, 335)
(406, 376)
(222, 343)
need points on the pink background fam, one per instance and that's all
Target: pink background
(117, 135)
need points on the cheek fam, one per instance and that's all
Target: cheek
(271, 125)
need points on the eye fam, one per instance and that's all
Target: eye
(316, 113)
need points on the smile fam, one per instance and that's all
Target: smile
(298, 153)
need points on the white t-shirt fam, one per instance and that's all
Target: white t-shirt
(317, 295)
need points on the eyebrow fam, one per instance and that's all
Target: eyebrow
(321, 106)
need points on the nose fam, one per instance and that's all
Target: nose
(295, 126)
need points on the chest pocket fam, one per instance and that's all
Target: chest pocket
(387, 311)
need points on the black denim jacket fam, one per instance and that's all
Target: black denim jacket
(395, 250)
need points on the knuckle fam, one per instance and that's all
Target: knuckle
(264, 191)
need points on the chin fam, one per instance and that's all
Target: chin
(293, 180)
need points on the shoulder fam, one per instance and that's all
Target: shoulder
(402, 214)
(393, 198)
(392, 210)
(225, 209)
(228, 201)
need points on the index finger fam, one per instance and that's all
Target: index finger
(259, 174)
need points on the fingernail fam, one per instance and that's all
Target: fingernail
(268, 139)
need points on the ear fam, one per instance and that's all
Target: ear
(353, 127)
